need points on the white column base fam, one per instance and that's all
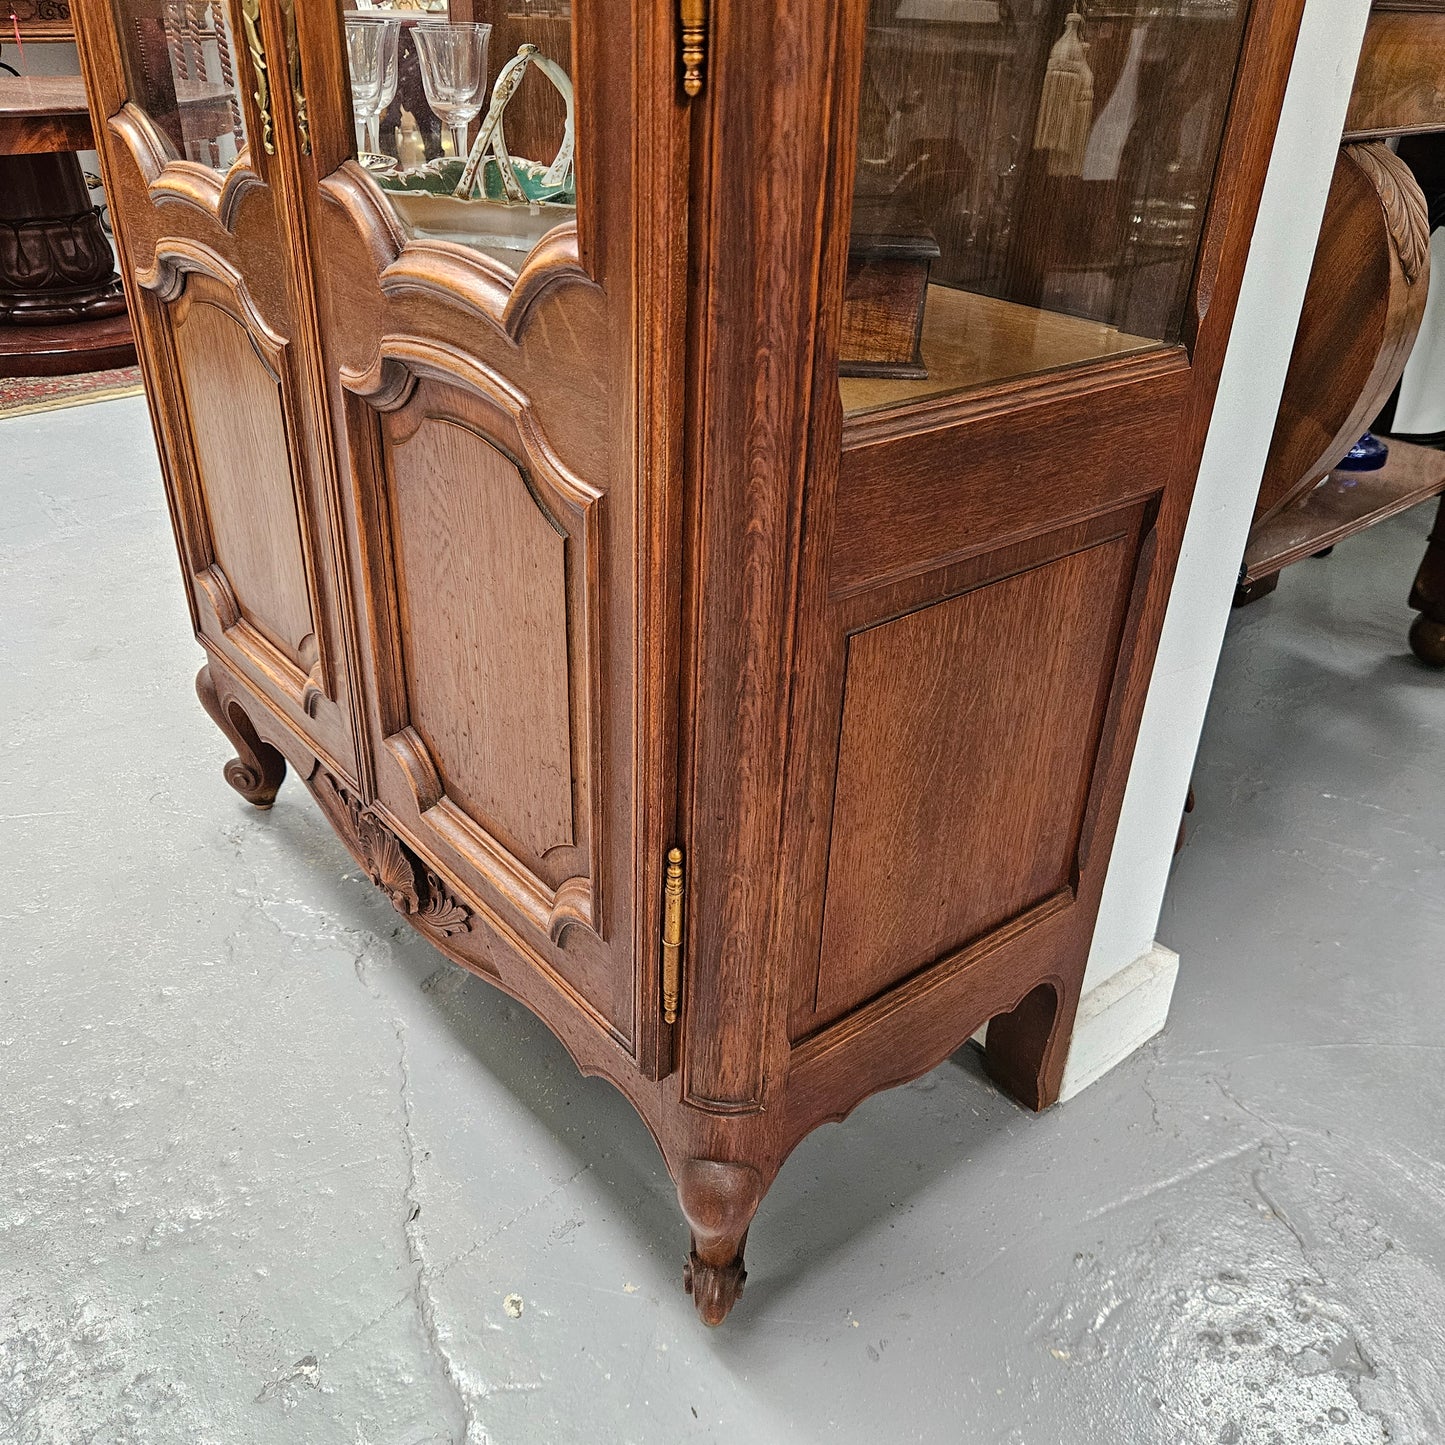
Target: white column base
(1118, 1016)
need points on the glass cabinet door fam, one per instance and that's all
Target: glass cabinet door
(204, 116)
(487, 328)
(182, 64)
(1031, 183)
(464, 116)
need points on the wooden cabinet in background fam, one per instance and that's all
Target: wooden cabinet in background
(764, 732)
(1362, 313)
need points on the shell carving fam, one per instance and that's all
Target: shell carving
(1407, 215)
(386, 865)
(414, 890)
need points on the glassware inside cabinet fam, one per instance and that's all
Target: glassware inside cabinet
(470, 134)
(1031, 183)
(182, 66)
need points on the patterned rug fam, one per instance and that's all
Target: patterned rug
(22, 394)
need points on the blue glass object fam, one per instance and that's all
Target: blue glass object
(1368, 454)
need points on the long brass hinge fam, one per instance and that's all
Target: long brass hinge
(693, 16)
(673, 893)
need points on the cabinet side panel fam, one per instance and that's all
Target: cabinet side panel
(969, 734)
(482, 569)
(245, 475)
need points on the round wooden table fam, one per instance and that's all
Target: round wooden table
(62, 309)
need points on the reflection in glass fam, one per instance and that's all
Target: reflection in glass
(180, 60)
(371, 56)
(1031, 184)
(475, 143)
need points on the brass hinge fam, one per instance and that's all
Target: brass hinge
(672, 910)
(693, 15)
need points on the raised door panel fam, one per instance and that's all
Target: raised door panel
(244, 478)
(969, 731)
(484, 555)
(482, 594)
(200, 154)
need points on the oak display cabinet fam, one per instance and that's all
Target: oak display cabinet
(763, 731)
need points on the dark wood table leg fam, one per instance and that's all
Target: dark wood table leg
(61, 304)
(1427, 597)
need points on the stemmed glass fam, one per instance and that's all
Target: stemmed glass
(371, 52)
(454, 74)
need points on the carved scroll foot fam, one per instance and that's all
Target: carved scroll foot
(719, 1201)
(1427, 597)
(1026, 1049)
(257, 770)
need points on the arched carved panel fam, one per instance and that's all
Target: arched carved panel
(482, 587)
(488, 688)
(245, 525)
(243, 473)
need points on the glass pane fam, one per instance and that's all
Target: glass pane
(1032, 178)
(464, 117)
(182, 65)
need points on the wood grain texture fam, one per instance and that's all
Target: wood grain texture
(1362, 312)
(244, 470)
(1400, 80)
(968, 738)
(970, 341)
(41, 113)
(42, 20)
(482, 585)
(1341, 505)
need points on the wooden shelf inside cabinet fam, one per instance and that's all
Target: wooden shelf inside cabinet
(971, 340)
(1343, 504)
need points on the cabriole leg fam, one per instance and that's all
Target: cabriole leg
(719, 1201)
(257, 769)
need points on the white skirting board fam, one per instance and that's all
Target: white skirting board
(1116, 1017)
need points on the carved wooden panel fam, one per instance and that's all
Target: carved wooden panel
(483, 552)
(482, 589)
(968, 740)
(245, 475)
(40, 19)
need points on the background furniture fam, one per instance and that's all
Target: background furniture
(764, 732)
(1362, 314)
(39, 20)
(62, 308)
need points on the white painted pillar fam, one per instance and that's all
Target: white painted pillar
(1131, 977)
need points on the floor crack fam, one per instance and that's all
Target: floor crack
(417, 1252)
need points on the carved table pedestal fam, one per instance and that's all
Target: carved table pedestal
(61, 304)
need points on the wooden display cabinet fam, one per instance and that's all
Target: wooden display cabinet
(764, 733)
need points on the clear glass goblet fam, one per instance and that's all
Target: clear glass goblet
(366, 60)
(454, 74)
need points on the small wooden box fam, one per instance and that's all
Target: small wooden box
(890, 255)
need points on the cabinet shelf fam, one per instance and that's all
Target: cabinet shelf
(971, 340)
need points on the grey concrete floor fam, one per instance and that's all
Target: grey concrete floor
(270, 1170)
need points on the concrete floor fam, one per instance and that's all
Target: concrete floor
(271, 1171)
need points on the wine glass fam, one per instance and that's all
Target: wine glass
(454, 74)
(366, 42)
(390, 49)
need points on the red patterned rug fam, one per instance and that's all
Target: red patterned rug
(22, 394)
